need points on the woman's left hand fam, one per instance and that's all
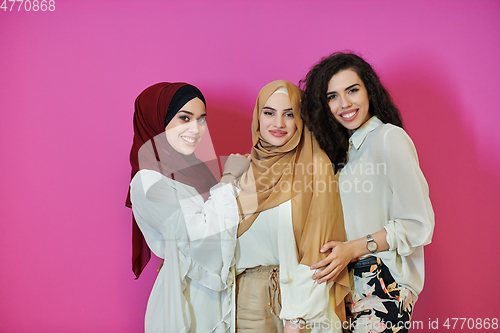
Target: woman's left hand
(341, 255)
(237, 164)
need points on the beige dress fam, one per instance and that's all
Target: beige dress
(270, 241)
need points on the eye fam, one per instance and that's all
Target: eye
(268, 113)
(331, 97)
(289, 114)
(202, 120)
(352, 90)
(184, 118)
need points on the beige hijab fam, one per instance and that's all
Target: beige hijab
(299, 171)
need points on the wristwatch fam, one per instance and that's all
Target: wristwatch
(370, 244)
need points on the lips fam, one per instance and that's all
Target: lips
(189, 140)
(278, 133)
(349, 115)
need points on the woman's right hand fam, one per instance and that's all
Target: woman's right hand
(342, 253)
(237, 164)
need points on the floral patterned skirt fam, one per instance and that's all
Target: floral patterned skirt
(378, 303)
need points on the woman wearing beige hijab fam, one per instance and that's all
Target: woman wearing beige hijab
(290, 206)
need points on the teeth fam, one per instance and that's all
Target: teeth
(348, 115)
(190, 140)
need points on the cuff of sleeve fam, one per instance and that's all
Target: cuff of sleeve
(391, 236)
(397, 242)
(225, 193)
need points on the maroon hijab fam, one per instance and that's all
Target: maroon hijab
(154, 108)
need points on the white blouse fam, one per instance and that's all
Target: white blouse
(197, 239)
(382, 186)
(270, 241)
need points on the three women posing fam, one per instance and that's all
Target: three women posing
(286, 212)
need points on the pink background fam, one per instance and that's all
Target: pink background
(68, 81)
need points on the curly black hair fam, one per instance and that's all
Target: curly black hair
(331, 135)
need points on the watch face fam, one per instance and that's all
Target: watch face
(372, 247)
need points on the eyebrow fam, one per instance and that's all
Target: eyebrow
(352, 85)
(270, 108)
(192, 114)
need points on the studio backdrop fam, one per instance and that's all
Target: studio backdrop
(71, 70)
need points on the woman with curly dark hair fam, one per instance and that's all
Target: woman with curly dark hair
(385, 198)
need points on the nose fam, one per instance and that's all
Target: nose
(279, 122)
(194, 126)
(346, 103)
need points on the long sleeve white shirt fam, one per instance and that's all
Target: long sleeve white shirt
(197, 239)
(382, 186)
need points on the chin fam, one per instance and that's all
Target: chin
(353, 127)
(278, 143)
(186, 150)
(349, 125)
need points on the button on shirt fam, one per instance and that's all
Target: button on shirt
(382, 186)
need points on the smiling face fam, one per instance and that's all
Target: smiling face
(188, 126)
(348, 99)
(276, 121)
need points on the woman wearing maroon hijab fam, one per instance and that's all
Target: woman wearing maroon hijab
(184, 216)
